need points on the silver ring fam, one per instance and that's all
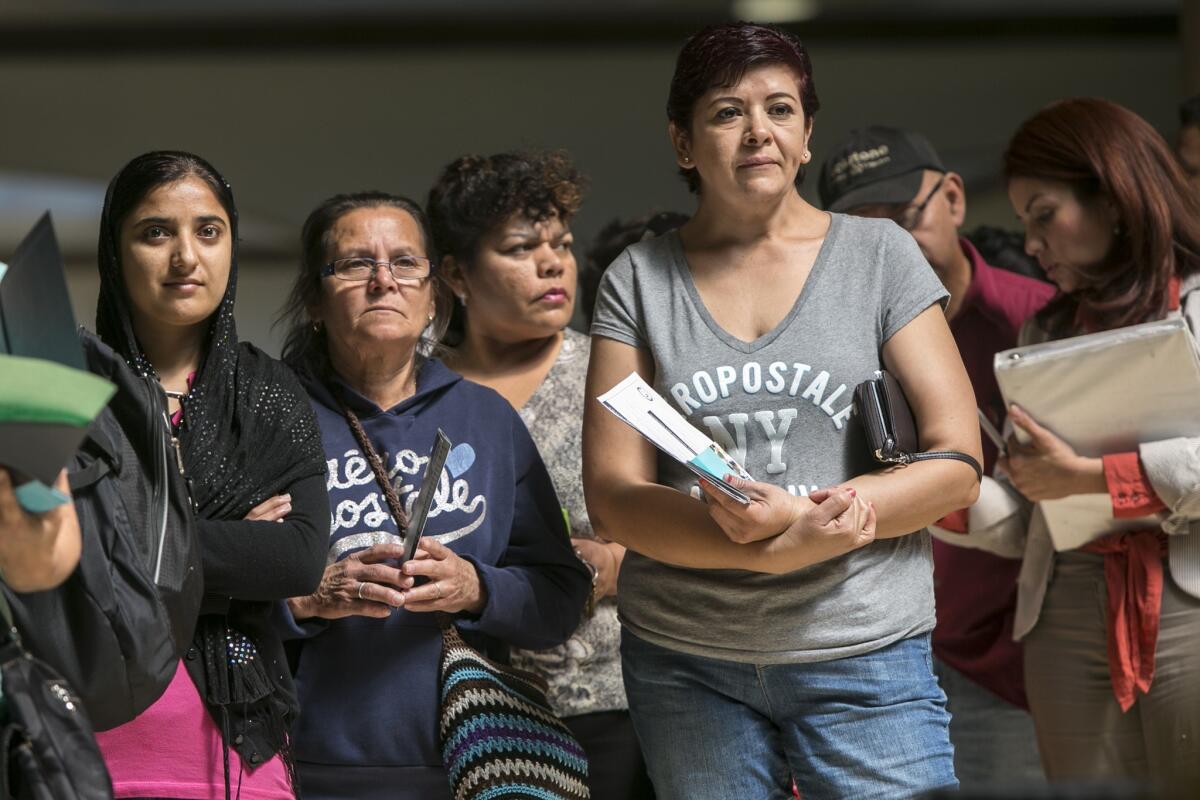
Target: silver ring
(361, 584)
(438, 586)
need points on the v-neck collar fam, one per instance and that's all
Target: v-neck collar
(685, 275)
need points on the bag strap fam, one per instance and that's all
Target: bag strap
(952, 454)
(445, 621)
(10, 640)
(385, 485)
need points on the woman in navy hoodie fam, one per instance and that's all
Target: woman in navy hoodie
(363, 315)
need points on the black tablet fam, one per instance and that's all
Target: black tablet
(36, 320)
(429, 484)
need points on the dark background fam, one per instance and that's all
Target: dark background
(295, 101)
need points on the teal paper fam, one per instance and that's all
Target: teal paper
(38, 498)
(713, 464)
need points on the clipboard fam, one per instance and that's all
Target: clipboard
(1105, 393)
(429, 483)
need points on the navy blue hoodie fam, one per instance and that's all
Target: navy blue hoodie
(368, 687)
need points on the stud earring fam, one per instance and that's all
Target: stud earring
(462, 299)
(316, 326)
(687, 159)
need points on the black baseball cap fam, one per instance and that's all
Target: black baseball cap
(874, 165)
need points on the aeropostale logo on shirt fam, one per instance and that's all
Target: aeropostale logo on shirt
(365, 510)
(778, 378)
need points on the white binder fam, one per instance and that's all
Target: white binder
(1105, 393)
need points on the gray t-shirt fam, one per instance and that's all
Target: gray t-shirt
(781, 405)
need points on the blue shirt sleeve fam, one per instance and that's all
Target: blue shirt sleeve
(536, 593)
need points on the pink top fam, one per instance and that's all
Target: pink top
(174, 749)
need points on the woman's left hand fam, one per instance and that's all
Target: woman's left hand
(1047, 468)
(453, 583)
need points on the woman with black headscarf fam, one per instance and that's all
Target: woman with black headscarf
(246, 438)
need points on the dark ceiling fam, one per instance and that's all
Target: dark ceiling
(63, 27)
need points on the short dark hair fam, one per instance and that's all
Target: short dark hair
(1189, 112)
(473, 194)
(720, 55)
(304, 344)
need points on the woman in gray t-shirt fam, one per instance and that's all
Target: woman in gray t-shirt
(502, 223)
(789, 638)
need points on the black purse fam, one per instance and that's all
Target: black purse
(45, 736)
(888, 422)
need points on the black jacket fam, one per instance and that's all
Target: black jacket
(116, 628)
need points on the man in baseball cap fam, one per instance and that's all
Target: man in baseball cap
(897, 174)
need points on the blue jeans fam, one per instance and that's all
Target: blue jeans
(869, 726)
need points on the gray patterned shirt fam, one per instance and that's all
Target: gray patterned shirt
(584, 673)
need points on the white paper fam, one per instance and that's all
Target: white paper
(636, 404)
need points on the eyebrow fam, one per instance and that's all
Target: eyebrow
(207, 218)
(1036, 195)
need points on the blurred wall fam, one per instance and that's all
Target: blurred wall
(290, 128)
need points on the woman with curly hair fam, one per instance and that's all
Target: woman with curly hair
(502, 223)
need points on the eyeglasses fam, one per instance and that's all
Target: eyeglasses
(404, 269)
(910, 216)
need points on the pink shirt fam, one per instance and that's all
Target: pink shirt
(174, 749)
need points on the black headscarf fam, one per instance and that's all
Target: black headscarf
(248, 431)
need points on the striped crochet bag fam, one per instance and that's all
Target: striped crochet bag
(500, 740)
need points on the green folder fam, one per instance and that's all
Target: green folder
(45, 409)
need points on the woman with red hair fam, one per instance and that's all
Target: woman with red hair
(1110, 629)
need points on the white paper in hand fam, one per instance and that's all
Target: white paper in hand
(636, 404)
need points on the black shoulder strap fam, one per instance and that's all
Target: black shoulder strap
(99, 444)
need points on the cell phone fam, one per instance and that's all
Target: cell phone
(429, 483)
(986, 425)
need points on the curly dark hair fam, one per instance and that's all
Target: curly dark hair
(473, 194)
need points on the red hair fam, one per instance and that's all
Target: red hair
(1105, 151)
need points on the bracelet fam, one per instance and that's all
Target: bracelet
(589, 607)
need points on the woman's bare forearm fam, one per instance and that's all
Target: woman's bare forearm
(661, 523)
(909, 498)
